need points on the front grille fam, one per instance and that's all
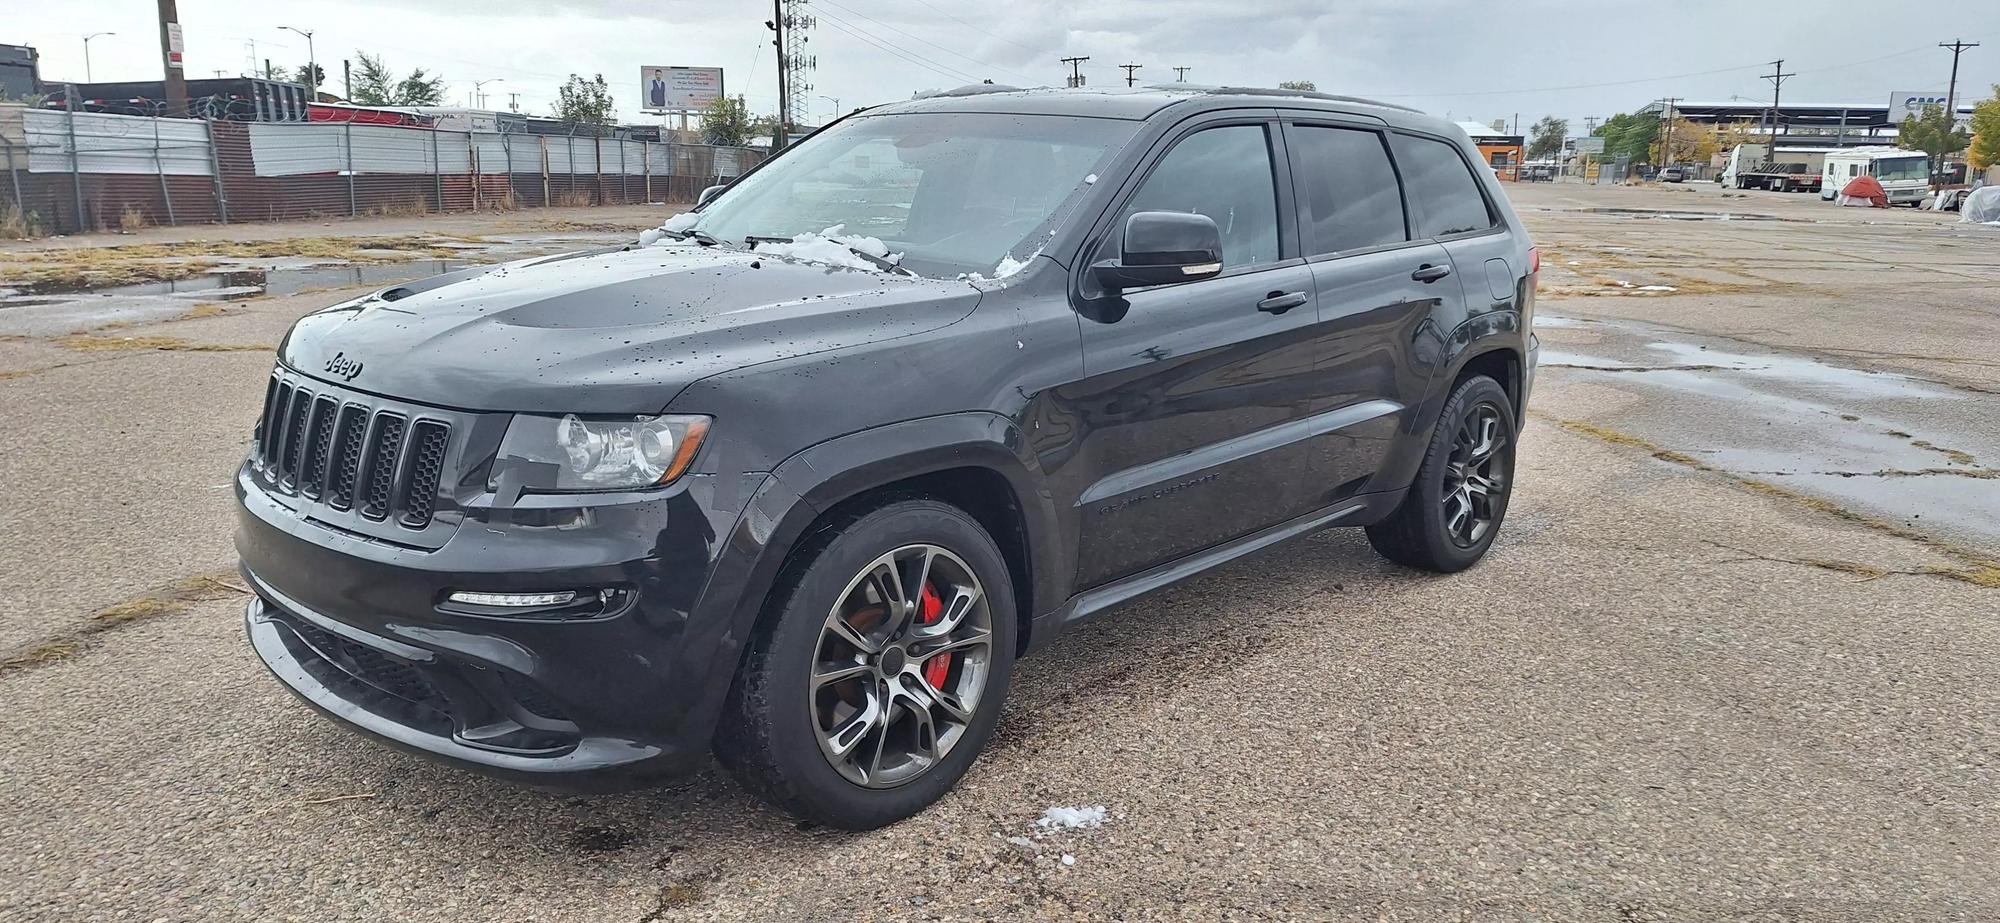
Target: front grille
(341, 450)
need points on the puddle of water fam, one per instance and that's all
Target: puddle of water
(1801, 370)
(1669, 215)
(53, 311)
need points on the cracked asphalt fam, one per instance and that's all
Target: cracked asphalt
(1699, 678)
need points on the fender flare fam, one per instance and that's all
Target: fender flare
(814, 480)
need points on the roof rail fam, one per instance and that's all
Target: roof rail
(1268, 91)
(971, 89)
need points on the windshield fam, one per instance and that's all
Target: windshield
(1902, 168)
(952, 192)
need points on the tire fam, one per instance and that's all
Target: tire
(1422, 532)
(784, 721)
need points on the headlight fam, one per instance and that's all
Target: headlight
(598, 453)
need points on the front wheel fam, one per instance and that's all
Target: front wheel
(1455, 506)
(878, 673)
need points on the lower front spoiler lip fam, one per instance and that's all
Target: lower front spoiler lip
(594, 764)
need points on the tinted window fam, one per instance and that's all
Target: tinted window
(1224, 173)
(1441, 186)
(1350, 189)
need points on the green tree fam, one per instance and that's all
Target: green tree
(1303, 86)
(375, 84)
(313, 80)
(1933, 133)
(1984, 150)
(726, 122)
(1630, 136)
(1545, 137)
(585, 103)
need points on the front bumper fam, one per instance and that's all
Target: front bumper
(608, 699)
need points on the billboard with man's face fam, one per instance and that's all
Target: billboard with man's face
(678, 89)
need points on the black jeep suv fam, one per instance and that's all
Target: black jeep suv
(797, 477)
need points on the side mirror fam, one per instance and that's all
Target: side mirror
(709, 193)
(1162, 248)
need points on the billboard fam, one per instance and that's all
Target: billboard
(1911, 102)
(678, 89)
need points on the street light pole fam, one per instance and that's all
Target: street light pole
(835, 100)
(87, 78)
(479, 95)
(312, 63)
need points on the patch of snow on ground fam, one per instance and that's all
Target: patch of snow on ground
(1658, 288)
(1081, 817)
(1091, 179)
(1068, 859)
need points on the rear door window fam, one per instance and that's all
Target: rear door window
(1224, 173)
(1441, 185)
(1349, 188)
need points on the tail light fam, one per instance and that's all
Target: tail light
(1528, 287)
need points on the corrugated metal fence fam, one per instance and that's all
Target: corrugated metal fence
(69, 172)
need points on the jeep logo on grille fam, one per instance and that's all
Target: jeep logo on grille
(343, 367)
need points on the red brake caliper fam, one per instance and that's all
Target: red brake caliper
(930, 608)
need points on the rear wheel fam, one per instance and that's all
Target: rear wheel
(1455, 506)
(879, 671)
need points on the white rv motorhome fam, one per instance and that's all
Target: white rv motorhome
(1905, 175)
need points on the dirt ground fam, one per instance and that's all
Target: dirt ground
(1718, 667)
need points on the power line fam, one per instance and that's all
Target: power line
(946, 49)
(884, 45)
(983, 30)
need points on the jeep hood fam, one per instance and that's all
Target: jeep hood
(619, 331)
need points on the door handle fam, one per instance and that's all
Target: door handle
(1280, 302)
(1428, 273)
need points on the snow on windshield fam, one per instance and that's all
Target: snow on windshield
(835, 249)
(670, 230)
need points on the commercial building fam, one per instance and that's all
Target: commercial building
(1502, 151)
(1836, 125)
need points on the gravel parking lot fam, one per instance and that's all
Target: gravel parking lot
(1732, 658)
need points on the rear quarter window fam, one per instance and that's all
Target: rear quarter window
(1441, 186)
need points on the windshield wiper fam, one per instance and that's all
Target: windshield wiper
(886, 266)
(701, 237)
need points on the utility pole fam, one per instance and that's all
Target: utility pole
(1131, 69)
(170, 60)
(513, 102)
(1777, 77)
(1180, 74)
(1951, 96)
(1075, 70)
(346, 79)
(777, 27)
(1667, 136)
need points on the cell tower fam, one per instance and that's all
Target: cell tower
(799, 62)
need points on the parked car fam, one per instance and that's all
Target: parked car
(799, 481)
(1674, 175)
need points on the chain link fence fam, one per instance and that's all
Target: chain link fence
(69, 172)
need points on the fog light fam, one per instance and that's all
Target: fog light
(514, 600)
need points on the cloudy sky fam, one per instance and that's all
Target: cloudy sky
(1471, 60)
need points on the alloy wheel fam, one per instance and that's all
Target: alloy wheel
(1475, 476)
(900, 666)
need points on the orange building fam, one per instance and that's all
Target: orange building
(1502, 152)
